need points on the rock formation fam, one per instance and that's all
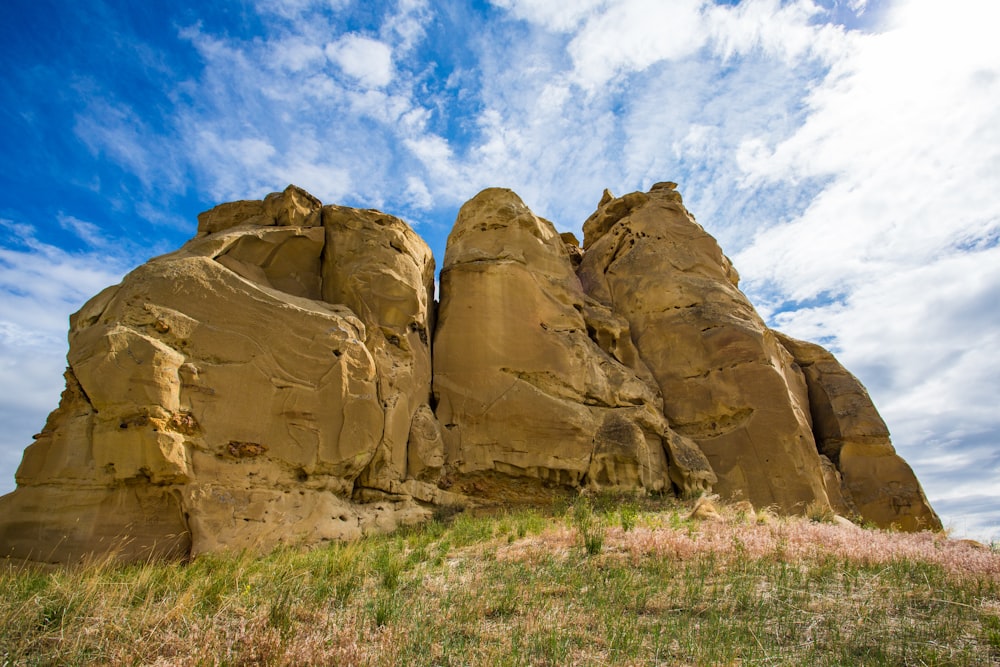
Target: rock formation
(215, 400)
(875, 482)
(274, 381)
(727, 382)
(535, 379)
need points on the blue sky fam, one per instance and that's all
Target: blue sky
(846, 154)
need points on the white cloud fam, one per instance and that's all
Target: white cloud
(561, 16)
(631, 35)
(382, 107)
(906, 132)
(240, 166)
(418, 194)
(785, 30)
(408, 23)
(111, 128)
(367, 60)
(909, 161)
(40, 285)
(296, 54)
(88, 232)
(436, 156)
(296, 9)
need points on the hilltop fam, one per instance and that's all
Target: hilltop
(604, 580)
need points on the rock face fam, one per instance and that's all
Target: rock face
(774, 435)
(215, 400)
(727, 382)
(273, 381)
(875, 483)
(535, 379)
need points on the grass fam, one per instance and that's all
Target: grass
(522, 588)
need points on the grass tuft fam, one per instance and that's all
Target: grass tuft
(819, 512)
(590, 526)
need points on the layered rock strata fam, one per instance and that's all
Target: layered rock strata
(283, 377)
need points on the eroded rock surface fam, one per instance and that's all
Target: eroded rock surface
(532, 377)
(727, 383)
(876, 483)
(283, 377)
(215, 400)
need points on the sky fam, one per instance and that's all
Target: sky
(845, 153)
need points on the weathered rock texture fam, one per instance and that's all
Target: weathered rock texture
(535, 379)
(215, 400)
(774, 435)
(875, 482)
(273, 381)
(727, 382)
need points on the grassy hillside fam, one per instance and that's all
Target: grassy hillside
(598, 583)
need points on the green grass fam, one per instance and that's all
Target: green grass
(520, 588)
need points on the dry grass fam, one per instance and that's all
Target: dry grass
(523, 589)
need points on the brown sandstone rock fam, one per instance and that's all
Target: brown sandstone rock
(726, 381)
(294, 207)
(271, 382)
(876, 483)
(523, 387)
(214, 400)
(379, 268)
(705, 510)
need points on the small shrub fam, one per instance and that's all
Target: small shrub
(504, 603)
(590, 526)
(628, 514)
(991, 629)
(383, 609)
(819, 512)
(279, 614)
(388, 564)
(345, 586)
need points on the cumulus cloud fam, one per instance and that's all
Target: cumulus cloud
(896, 254)
(40, 285)
(368, 60)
